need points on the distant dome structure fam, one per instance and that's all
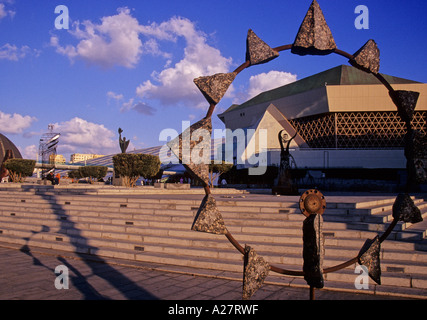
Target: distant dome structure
(6, 144)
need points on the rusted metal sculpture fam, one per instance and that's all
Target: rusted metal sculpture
(285, 184)
(314, 38)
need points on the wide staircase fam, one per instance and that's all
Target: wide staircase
(156, 229)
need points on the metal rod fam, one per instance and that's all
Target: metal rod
(340, 266)
(344, 54)
(312, 293)
(384, 82)
(207, 190)
(276, 269)
(389, 230)
(235, 243)
(283, 48)
(211, 110)
(286, 272)
(242, 67)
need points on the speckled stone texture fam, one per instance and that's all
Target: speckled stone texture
(313, 250)
(369, 257)
(420, 157)
(416, 154)
(367, 58)
(214, 87)
(190, 149)
(314, 36)
(257, 51)
(255, 271)
(405, 101)
(405, 210)
(208, 218)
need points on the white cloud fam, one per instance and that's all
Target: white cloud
(116, 41)
(81, 136)
(30, 152)
(114, 96)
(113, 42)
(13, 53)
(16, 123)
(267, 81)
(4, 12)
(175, 84)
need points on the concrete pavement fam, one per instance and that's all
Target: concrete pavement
(26, 274)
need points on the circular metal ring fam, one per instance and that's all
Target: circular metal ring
(312, 202)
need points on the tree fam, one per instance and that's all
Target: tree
(20, 168)
(131, 166)
(151, 166)
(217, 169)
(93, 172)
(74, 174)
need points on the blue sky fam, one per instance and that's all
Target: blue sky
(130, 64)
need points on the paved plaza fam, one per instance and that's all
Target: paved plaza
(30, 275)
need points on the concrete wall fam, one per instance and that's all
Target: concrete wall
(346, 98)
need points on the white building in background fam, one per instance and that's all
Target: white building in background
(57, 158)
(80, 157)
(342, 118)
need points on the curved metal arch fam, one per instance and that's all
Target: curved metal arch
(230, 237)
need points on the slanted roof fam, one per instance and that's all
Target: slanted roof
(340, 75)
(6, 144)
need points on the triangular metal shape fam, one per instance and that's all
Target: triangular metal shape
(420, 156)
(369, 256)
(314, 36)
(405, 210)
(405, 101)
(367, 58)
(257, 51)
(208, 218)
(255, 271)
(193, 147)
(416, 154)
(214, 87)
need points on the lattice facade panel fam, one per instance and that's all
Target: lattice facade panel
(357, 130)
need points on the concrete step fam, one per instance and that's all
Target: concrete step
(278, 229)
(158, 230)
(118, 221)
(336, 212)
(392, 275)
(195, 242)
(277, 203)
(219, 249)
(249, 209)
(260, 223)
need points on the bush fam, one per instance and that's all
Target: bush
(93, 172)
(74, 174)
(151, 166)
(132, 166)
(20, 168)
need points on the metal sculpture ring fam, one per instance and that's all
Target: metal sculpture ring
(314, 38)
